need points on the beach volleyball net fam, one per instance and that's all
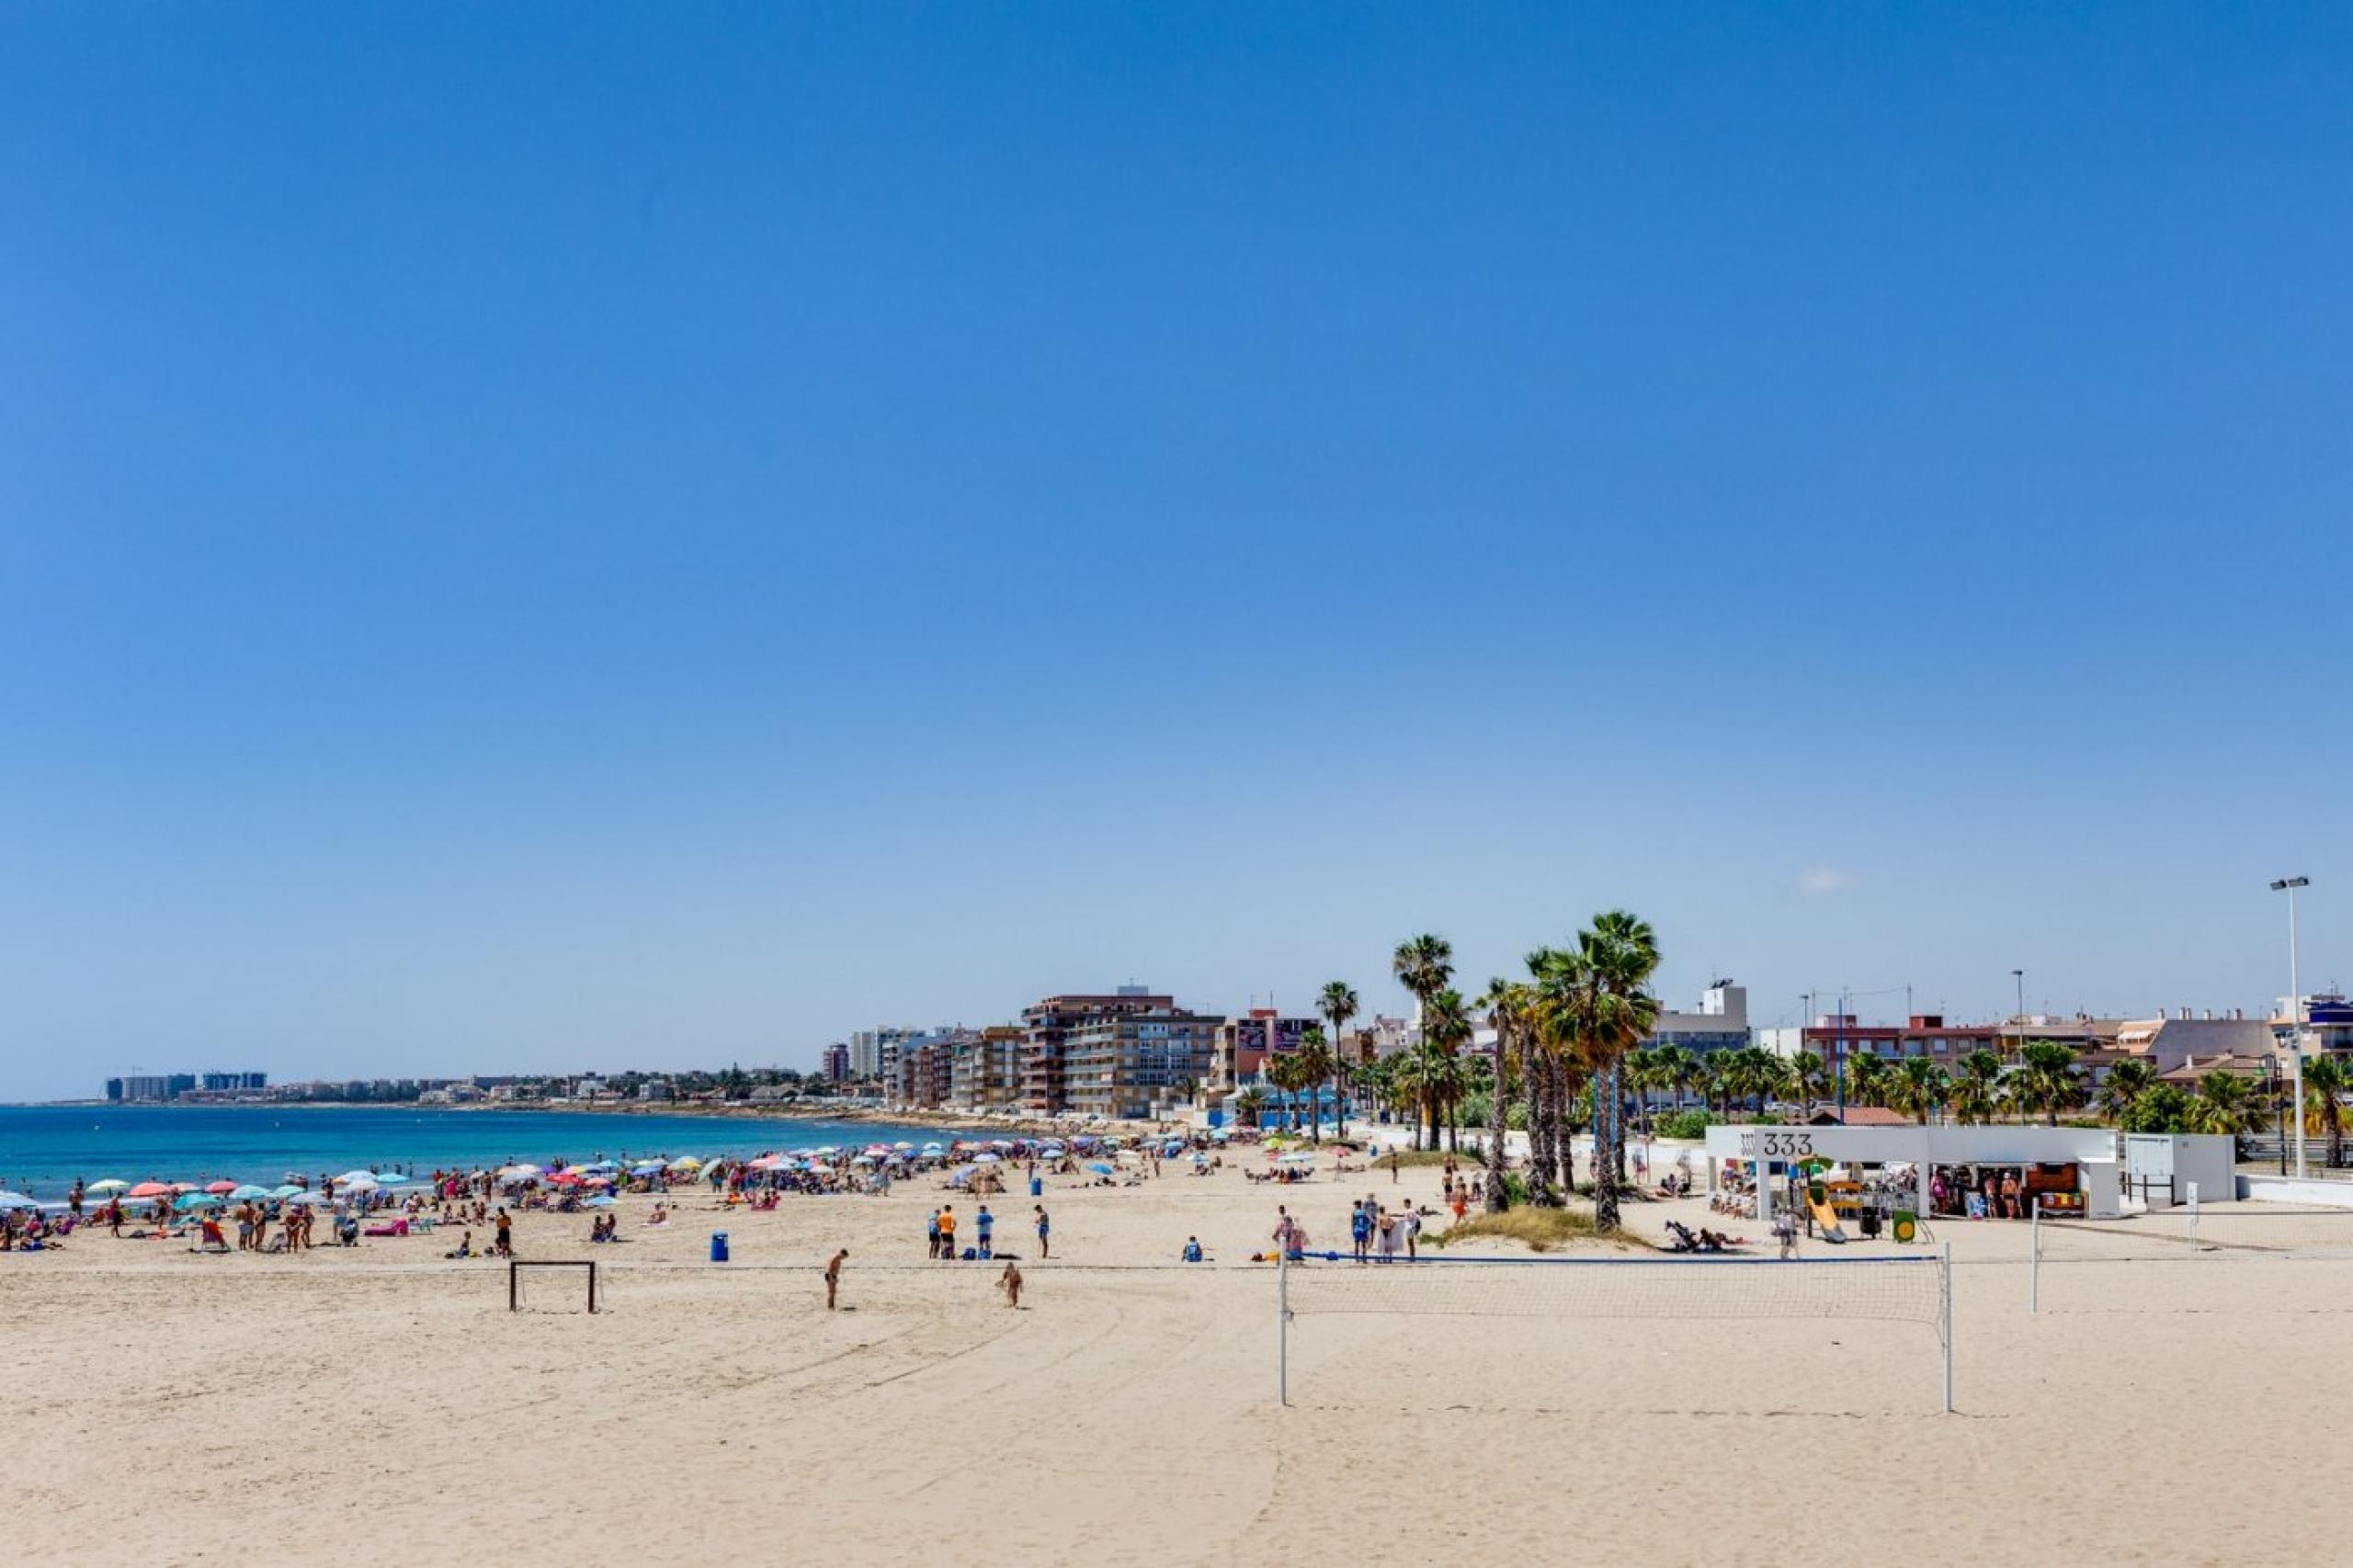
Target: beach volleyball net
(2189, 1232)
(1912, 1289)
(554, 1285)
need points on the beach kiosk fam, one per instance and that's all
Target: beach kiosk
(2074, 1168)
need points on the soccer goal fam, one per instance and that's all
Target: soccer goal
(554, 1284)
(1905, 1289)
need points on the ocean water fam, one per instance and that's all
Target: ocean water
(44, 1148)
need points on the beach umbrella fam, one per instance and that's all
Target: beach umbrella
(196, 1200)
(309, 1197)
(863, 1160)
(987, 1159)
(1098, 1167)
(394, 1178)
(520, 1173)
(910, 1145)
(152, 1189)
(347, 1178)
(602, 1201)
(286, 1191)
(16, 1201)
(686, 1162)
(183, 1186)
(218, 1188)
(248, 1190)
(566, 1178)
(112, 1183)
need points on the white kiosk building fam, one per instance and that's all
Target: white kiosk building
(1774, 1150)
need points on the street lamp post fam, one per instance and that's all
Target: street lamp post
(2019, 975)
(2295, 1011)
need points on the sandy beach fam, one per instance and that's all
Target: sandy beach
(381, 1405)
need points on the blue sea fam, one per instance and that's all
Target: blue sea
(44, 1148)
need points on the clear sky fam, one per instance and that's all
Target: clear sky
(569, 536)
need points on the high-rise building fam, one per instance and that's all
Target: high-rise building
(835, 1061)
(1046, 1024)
(866, 1053)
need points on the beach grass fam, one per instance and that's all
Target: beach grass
(1538, 1230)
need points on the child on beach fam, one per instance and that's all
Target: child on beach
(834, 1277)
(1043, 1226)
(1010, 1283)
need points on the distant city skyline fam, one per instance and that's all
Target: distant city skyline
(532, 547)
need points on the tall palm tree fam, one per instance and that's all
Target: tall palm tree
(1317, 1065)
(2123, 1084)
(1422, 965)
(1601, 1003)
(2325, 1078)
(1918, 1087)
(1286, 1072)
(1506, 1004)
(1249, 1103)
(1338, 1003)
(1446, 1026)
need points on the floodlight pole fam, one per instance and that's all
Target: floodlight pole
(2295, 1011)
(1282, 1321)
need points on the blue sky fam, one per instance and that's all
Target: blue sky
(564, 535)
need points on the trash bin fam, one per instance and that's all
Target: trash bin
(1037, 1186)
(719, 1246)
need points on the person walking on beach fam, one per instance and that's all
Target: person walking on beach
(1785, 1231)
(1044, 1226)
(1010, 1283)
(834, 1277)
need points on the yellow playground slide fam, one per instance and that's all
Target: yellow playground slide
(1826, 1221)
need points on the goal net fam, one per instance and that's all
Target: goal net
(554, 1285)
(1913, 1289)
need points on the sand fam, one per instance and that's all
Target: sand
(383, 1406)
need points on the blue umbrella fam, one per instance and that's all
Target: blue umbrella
(286, 1191)
(248, 1190)
(196, 1200)
(602, 1201)
(1098, 1167)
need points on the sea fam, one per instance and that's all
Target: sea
(44, 1148)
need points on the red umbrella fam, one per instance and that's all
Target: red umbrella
(150, 1190)
(223, 1187)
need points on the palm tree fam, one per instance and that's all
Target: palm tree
(1975, 1089)
(2049, 1078)
(1249, 1103)
(1507, 1006)
(1422, 965)
(1338, 1003)
(1596, 997)
(2123, 1084)
(2326, 1077)
(1317, 1064)
(1865, 1079)
(1284, 1071)
(1813, 1074)
(1446, 1027)
(1919, 1087)
(2225, 1103)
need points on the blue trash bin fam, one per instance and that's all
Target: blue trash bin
(1037, 1186)
(719, 1246)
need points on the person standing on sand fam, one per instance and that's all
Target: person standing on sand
(505, 1233)
(934, 1235)
(986, 1224)
(1360, 1230)
(1044, 1226)
(834, 1277)
(948, 1233)
(1010, 1283)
